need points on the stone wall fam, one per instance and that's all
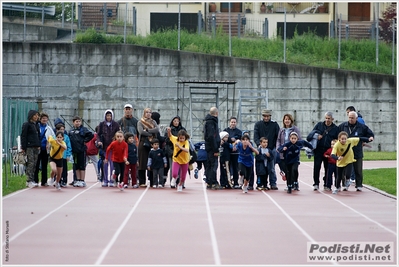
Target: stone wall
(86, 79)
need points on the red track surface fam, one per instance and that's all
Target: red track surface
(95, 225)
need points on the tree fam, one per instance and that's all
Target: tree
(386, 23)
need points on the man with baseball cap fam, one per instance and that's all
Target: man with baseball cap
(269, 129)
(128, 123)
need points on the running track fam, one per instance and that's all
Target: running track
(105, 226)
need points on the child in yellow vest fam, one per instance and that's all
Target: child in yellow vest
(58, 146)
(180, 157)
(343, 153)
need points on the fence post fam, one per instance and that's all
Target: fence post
(239, 25)
(124, 28)
(346, 32)
(372, 31)
(213, 25)
(63, 15)
(266, 29)
(199, 22)
(393, 45)
(339, 40)
(79, 26)
(105, 17)
(134, 21)
(42, 15)
(332, 29)
(72, 23)
(24, 21)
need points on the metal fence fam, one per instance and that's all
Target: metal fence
(15, 113)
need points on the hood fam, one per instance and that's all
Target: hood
(209, 117)
(109, 111)
(58, 121)
(156, 116)
(171, 122)
(31, 113)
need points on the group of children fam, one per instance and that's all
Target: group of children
(124, 156)
(340, 158)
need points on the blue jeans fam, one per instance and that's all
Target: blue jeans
(271, 168)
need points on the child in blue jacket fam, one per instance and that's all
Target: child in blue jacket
(291, 152)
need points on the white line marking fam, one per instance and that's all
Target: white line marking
(295, 223)
(355, 211)
(16, 193)
(119, 230)
(46, 216)
(22, 190)
(215, 247)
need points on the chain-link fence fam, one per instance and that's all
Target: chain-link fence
(15, 113)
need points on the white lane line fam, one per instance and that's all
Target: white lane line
(23, 190)
(46, 216)
(119, 230)
(295, 223)
(16, 193)
(355, 211)
(215, 247)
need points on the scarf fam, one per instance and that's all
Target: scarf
(148, 123)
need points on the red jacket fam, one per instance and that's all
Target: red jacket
(92, 149)
(330, 159)
(119, 151)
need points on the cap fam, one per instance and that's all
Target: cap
(128, 106)
(244, 132)
(266, 112)
(223, 134)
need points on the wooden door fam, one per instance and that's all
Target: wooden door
(358, 11)
(234, 7)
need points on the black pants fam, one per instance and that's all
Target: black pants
(64, 175)
(344, 173)
(318, 160)
(211, 166)
(292, 173)
(42, 162)
(234, 167)
(119, 168)
(142, 176)
(358, 168)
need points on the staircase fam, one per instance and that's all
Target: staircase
(357, 29)
(222, 19)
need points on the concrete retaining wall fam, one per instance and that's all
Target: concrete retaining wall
(15, 32)
(87, 79)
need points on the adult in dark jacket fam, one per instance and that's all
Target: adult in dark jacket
(269, 129)
(128, 123)
(175, 126)
(106, 132)
(42, 161)
(212, 144)
(30, 145)
(329, 131)
(234, 135)
(354, 128)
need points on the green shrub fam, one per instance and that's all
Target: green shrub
(307, 49)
